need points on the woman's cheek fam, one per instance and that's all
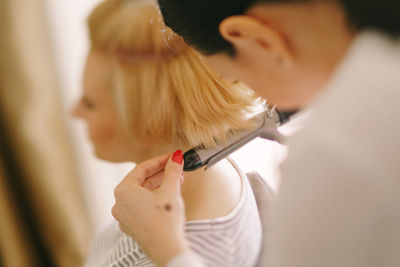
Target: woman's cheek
(102, 133)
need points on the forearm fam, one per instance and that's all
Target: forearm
(164, 250)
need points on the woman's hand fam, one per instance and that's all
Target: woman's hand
(153, 218)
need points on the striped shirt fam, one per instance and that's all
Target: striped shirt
(233, 240)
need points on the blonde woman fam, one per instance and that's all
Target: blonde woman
(146, 93)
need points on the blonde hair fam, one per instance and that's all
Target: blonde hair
(166, 94)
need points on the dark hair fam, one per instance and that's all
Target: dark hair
(197, 21)
(383, 15)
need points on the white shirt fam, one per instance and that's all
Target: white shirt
(233, 240)
(339, 201)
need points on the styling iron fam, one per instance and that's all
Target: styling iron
(266, 123)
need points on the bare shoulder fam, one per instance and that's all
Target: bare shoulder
(213, 193)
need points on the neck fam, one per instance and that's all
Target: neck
(211, 193)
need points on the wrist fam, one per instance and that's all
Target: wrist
(170, 250)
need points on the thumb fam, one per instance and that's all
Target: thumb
(172, 173)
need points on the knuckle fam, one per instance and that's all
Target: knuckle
(117, 192)
(114, 212)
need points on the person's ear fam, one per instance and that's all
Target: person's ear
(255, 38)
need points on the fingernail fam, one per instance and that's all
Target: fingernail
(182, 179)
(178, 157)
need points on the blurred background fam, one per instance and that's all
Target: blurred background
(54, 194)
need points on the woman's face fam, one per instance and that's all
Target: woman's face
(97, 108)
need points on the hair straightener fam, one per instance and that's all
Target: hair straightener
(266, 127)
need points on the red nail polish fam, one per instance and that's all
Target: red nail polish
(178, 157)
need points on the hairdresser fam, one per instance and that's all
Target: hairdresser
(339, 200)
